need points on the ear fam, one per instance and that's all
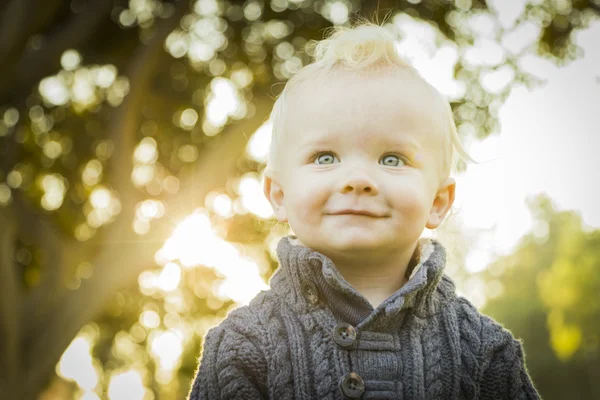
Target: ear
(441, 204)
(274, 193)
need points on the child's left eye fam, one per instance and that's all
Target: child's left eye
(392, 160)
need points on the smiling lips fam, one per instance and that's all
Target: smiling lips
(357, 212)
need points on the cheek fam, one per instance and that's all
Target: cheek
(305, 201)
(411, 199)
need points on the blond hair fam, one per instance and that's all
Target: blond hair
(364, 47)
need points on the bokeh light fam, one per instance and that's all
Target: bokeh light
(127, 385)
(193, 243)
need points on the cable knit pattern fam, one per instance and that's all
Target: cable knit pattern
(433, 361)
(470, 340)
(321, 357)
(423, 342)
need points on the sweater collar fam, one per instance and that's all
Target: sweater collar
(302, 266)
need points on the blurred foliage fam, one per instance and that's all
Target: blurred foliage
(558, 19)
(118, 118)
(547, 293)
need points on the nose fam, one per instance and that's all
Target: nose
(359, 182)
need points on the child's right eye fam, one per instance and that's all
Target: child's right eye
(324, 158)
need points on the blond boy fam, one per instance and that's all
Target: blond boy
(360, 307)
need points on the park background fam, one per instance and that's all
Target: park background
(133, 135)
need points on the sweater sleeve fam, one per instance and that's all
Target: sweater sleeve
(232, 366)
(506, 376)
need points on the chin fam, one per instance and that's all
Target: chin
(355, 242)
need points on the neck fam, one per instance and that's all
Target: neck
(377, 278)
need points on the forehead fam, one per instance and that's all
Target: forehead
(356, 106)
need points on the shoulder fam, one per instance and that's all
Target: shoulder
(247, 320)
(483, 334)
(233, 361)
(492, 356)
(251, 321)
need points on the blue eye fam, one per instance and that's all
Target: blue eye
(326, 158)
(390, 160)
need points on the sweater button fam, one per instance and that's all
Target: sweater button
(344, 334)
(309, 290)
(352, 385)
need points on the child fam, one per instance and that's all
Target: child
(360, 306)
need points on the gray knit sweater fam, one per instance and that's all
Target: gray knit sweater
(313, 336)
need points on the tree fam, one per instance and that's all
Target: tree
(106, 108)
(549, 298)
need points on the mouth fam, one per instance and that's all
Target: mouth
(358, 212)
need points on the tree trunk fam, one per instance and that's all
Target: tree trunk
(10, 295)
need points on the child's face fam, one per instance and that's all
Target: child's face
(370, 144)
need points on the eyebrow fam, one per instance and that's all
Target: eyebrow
(392, 142)
(315, 143)
(403, 142)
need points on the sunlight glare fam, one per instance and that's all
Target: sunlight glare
(83, 90)
(146, 151)
(188, 153)
(77, 364)
(55, 189)
(485, 52)
(105, 75)
(200, 52)
(150, 209)
(177, 43)
(88, 396)
(92, 173)
(495, 81)
(167, 348)
(253, 198)
(194, 242)
(242, 77)
(507, 11)
(222, 205)
(223, 102)
(142, 174)
(169, 277)
(126, 385)
(182, 244)
(54, 91)
(477, 260)
(188, 118)
(522, 37)
(434, 62)
(336, 12)
(150, 319)
(100, 197)
(259, 143)
(52, 149)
